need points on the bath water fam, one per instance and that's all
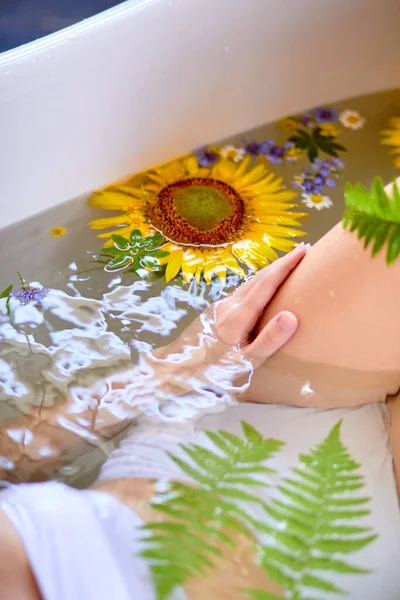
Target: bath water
(88, 322)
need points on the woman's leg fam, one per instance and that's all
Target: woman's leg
(347, 303)
(348, 306)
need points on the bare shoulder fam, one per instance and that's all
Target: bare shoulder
(16, 578)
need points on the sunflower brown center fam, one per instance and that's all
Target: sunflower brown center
(198, 211)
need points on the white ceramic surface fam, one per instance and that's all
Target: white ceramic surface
(151, 79)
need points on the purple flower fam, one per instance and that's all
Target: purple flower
(310, 186)
(336, 162)
(325, 115)
(323, 166)
(30, 294)
(276, 154)
(330, 182)
(319, 179)
(253, 148)
(265, 147)
(205, 156)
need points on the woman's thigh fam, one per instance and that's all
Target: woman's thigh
(348, 306)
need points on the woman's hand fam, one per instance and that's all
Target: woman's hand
(220, 346)
(237, 316)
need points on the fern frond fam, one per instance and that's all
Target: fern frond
(375, 216)
(262, 595)
(311, 523)
(202, 519)
(312, 514)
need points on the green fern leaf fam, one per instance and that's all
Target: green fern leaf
(311, 531)
(375, 216)
(311, 523)
(203, 517)
(262, 595)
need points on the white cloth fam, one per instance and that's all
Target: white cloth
(80, 545)
(143, 453)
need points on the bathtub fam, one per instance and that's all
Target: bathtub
(152, 79)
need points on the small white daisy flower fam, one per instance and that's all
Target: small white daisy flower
(316, 201)
(351, 119)
(232, 152)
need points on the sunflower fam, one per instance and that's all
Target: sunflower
(214, 219)
(391, 137)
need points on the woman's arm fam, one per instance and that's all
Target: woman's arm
(35, 445)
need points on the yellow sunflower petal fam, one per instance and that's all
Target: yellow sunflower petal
(190, 260)
(173, 265)
(173, 171)
(192, 168)
(123, 231)
(266, 219)
(153, 188)
(157, 180)
(210, 262)
(220, 271)
(279, 243)
(108, 222)
(225, 170)
(262, 247)
(391, 137)
(275, 230)
(248, 252)
(251, 177)
(199, 267)
(230, 261)
(265, 187)
(112, 200)
(243, 166)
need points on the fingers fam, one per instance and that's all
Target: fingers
(273, 336)
(237, 316)
(277, 272)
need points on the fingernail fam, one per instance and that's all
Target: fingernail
(287, 322)
(298, 247)
(308, 246)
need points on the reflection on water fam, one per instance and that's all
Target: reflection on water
(76, 342)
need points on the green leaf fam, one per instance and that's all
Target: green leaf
(320, 584)
(152, 242)
(6, 292)
(158, 253)
(308, 529)
(118, 263)
(375, 216)
(327, 144)
(148, 262)
(311, 527)
(343, 545)
(120, 242)
(211, 512)
(333, 564)
(283, 558)
(261, 595)
(111, 251)
(312, 153)
(136, 236)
